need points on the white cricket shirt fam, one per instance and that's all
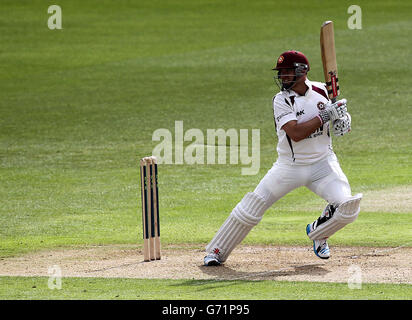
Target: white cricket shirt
(289, 105)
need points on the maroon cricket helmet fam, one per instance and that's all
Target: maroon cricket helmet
(291, 60)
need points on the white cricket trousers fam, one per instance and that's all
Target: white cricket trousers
(325, 178)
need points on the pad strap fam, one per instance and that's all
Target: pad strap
(344, 214)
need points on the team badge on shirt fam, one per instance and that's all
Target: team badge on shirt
(321, 105)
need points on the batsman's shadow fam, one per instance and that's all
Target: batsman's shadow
(223, 276)
(227, 273)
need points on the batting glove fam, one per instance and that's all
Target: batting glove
(333, 111)
(342, 126)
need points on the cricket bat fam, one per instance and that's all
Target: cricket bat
(330, 67)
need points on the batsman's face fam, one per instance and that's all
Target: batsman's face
(286, 75)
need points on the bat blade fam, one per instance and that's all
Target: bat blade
(330, 67)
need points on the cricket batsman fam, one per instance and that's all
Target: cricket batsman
(304, 117)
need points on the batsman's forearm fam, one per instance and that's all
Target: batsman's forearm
(300, 131)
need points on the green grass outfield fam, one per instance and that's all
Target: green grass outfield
(79, 106)
(115, 289)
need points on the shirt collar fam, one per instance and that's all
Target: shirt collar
(308, 92)
(309, 84)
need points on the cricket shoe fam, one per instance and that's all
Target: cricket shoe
(320, 247)
(212, 259)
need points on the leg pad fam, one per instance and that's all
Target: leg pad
(247, 213)
(344, 214)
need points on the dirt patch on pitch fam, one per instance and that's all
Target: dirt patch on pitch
(394, 200)
(371, 265)
(397, 200)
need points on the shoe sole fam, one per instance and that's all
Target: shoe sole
(308, 229)
(212, 263)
